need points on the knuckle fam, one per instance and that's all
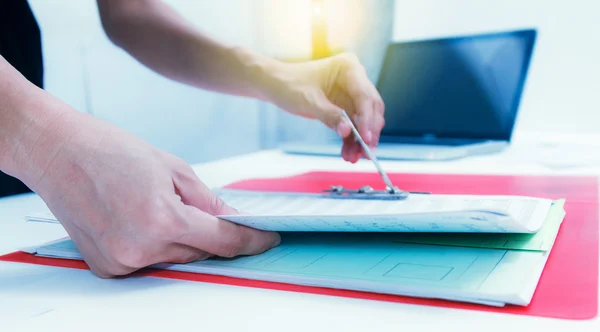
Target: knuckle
(183, 259)
(231, 250)
(163, 228)
(332, 121)
(299, 93)
(131, 253)
(216, 204)
(351, 62)
(349, 59)
(184, 171)
(191, 257)
(233, 247)
(160, 221)
(374, 99)
(127, 256)
(151, 209)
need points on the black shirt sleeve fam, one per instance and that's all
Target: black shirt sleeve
(20, 45)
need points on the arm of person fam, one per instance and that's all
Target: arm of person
(160, 38)
(126, 204)
(26, 122)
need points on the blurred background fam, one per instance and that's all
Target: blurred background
(84, 69)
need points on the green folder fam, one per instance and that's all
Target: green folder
(540, 241)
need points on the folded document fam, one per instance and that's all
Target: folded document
(489, 250)
(281, 212)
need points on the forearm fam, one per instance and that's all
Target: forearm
(164, 41)
(29, 125)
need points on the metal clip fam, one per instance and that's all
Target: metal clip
(367, 192)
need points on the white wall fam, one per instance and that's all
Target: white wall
(87, 71)
(92, 75)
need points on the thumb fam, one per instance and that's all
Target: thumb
(195, 193)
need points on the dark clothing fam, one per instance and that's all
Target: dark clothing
(21, 46)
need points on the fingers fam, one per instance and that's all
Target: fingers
(207, 233)
(223, 238)
(195, 193)
(365, 115)
(378, 121)
(331, 115)
(368, 104)
(351, 150)
(101, 264)
(181, 254)
(369, 110)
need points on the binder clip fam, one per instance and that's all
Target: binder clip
(367, 192)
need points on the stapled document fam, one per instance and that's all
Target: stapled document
(417, 213)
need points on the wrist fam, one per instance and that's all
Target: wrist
(259, 73)
(32, 130)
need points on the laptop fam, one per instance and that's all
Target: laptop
(447, 98)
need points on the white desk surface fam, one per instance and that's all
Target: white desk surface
(48, 298)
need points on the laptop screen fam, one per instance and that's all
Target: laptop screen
(465, 87)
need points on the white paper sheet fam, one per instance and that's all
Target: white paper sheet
(418, 213)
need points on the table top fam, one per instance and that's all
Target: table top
(64, 299)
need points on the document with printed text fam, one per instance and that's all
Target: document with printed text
(418, 213)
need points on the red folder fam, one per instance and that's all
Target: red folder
(568, 288)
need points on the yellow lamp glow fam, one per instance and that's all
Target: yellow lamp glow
(305, 29)
(320, 42)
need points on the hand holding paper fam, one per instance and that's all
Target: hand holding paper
(128, 205)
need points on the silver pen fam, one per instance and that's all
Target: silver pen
(390, 187)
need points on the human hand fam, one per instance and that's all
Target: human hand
(128, 205)
(322, 89)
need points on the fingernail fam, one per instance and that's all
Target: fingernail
(277, 240)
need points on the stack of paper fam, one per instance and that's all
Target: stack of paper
(481, 249)
(418, 213)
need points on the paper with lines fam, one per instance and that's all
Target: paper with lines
(418, 213)
(375, 263)
(542, 240)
